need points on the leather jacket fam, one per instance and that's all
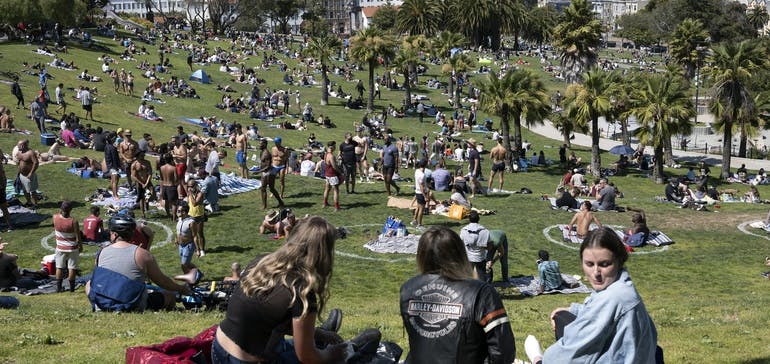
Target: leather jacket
(461, 322)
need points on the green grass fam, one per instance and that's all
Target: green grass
(704, 293)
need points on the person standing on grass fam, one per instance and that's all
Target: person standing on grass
(3, 194)
(476, 238)
(180, 154)
(168, 186)
(60, 99)
(68, 245)
(279, 155)
(498, 164)
(332, 174)
(112, 160)
(196, 210)
(298, 102)
(141, 172)
(16, 91)
(241, 148)
(87, 102)
(127, 150)
(28, 164)
(38, 111)
(348, 156)
(390, 162)
(420, 192)
(362, 146)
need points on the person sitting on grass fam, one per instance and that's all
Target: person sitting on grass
(639, 232)
(549, 273)
(235, 273)
(581, 222)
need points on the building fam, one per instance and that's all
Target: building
(608, 11)
(137, 8)
(361, 12)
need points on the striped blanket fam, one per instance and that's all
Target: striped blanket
(656, 238)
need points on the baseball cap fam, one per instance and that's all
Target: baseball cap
(277, 139)
(127, 132)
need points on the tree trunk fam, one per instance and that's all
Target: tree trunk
(668, 152)
(517, 133)
(506, 131)
(324, 84)
(456, 97)
(451, 85)
(743, 142)
(370, 101)
(596, 158)
(727, 147)
(657, 173)
(407, 91)
(624, 132)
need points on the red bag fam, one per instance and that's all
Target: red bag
(177, 350)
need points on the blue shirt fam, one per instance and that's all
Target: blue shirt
(441, 179)
(550, 274)
(612, 326)
(389, 155)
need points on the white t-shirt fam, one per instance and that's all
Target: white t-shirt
(212, 164)
(419, 179)
(306, 168)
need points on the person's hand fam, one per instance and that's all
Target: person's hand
(553, 315)
(185, 289)
(335, 353)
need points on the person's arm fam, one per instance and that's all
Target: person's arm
(595, 220)
(303, 329)
(572, 222)
(493, 319)
(35, 163)
(147, 261)
(541, 275)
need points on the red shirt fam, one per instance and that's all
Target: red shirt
(140, 239)
(92, 226)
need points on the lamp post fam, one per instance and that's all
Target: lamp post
(700, 50)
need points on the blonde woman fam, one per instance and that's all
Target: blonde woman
(281, 294)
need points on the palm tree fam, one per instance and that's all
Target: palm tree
(621, 102)
(367, 47)
(514, 17)
(685, 43)
(542, 20)
(419, 43)
(456, 64)
(471, 17)
(660, 103)
(577, 37)
(758, 17)
(323, 48)
(404, 61)
(446, 41)
(519, 95)
(586, 102)
(418, 17)
(731, 66)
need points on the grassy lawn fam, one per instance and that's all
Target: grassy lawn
(704, 293)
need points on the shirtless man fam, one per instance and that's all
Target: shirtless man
(180, 155)
(241, 146)
(169, 184)
(268, 178)
(361, 149)
(127, 150)
(583, 219)
(3, 196)
(28, 163)
(280, 155)
(141, 171)
(498, 164)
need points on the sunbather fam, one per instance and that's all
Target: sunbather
(582, 220)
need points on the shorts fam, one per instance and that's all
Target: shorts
(240, 157)
(88, 107)
(333, 181)
(140, 193)
(114, 172)
(420, 199)
(61, 102)
(71, 258)
(29, 184)
(199, 219)
(277, 170)
(181, 169)
(186, 253)
(360, 157)
(169, 194)
(388, 170)
(498, 167)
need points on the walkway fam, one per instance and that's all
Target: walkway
(548, 130)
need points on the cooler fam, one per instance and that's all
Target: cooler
(48, 139)
(49, 264)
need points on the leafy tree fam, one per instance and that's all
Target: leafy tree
(639, 28)
(13, 12)
(661, 103)
(757, 17)
(223, 15)
(419, 17)
(446, 41)
(519, 95)
(406, 57)
(588, 101)
(280, 12)
(322, 49)
(577, 37)
(477, 19)
(385, 18)
(456, 64)
(514, 18)
(539, 29)
(368, 46)
(685, 43)
(730, 67)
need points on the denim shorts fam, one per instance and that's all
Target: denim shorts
(284, 354)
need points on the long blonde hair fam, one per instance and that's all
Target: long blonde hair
(303, 264)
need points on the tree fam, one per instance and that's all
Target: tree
(639, 28)
(758, 17)
(519, 95)
(368, 46)
(446, 41)
(418, 17)
(514, 18)
(686, 45)
(472, 17)
(577, 36)
(588, 101)
(456, 64)
(660, 103)
(194, 11)
(730, 67)
(223, 15)
(280, 11)
(385, 18)
(405, 58)
(322, 49)
(539, 29)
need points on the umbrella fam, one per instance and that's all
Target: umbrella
(621, 150)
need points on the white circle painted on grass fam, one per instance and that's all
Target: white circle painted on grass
(372, 259)
(743, 228)
(547, 234)
(44, 241)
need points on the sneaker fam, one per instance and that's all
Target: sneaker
(334, 321)
(414, 222)
(203, 253)
(532, 348)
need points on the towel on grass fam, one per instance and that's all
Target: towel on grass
(394, 244)
(230, 184)
(529, 286)
(552, 200)
(22, 216)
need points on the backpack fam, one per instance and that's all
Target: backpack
(112, 291)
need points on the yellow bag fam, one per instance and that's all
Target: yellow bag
(457, 212)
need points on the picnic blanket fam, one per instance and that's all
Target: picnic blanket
(529, 286)
(552, 200)
(22, 217)
(394, 244)
(231, 184)
(48, 286)
(655, 238)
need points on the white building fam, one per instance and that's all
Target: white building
(608, 11)
(362, 11)
(137, 7)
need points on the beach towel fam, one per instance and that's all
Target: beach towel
(571, 235)
(658, 238)
(230, 184)
(552, 200)
(529, 286)
(394, 244)
(401, 203)
(23, 217)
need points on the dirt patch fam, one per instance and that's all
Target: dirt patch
(700, 220)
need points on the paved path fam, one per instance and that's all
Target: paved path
(548, 130)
